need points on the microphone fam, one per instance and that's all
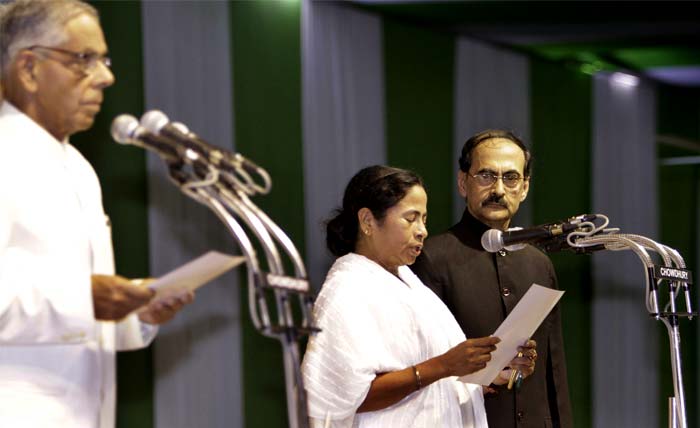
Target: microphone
(494, 240)
(125, 129)
(156, 122)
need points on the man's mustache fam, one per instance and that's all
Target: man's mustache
(494, 199)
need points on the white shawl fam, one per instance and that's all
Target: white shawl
(371, 323)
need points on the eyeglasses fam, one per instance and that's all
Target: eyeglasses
(510, 179)
(86, 61)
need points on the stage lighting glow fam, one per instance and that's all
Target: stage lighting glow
(624, 79)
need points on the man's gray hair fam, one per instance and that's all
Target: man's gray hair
(27, 23)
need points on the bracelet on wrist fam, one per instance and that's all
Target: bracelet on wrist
(416, 376)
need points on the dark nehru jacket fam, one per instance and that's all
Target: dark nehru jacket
(480, 289)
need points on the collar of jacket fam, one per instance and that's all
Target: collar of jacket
(469, 230)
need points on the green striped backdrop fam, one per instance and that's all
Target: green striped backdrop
(418, 75)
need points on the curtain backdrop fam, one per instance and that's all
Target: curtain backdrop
(625, 348)
(343, 112)
(492, 90)
(197, 356)
(345, 104)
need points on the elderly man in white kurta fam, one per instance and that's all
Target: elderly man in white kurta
(53, 237)
(63, 312)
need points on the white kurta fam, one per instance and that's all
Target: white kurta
(371, 323)
(56, 362)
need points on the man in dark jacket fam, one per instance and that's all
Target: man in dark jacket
(481, 288)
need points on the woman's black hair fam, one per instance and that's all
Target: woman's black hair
(377, 188)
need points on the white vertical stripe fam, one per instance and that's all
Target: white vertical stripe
(625, 378)
(188, 76)
(492, 91)
(343, 112)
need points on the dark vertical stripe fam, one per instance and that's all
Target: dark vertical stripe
(419, 110)
(266, 56)
(122, 173)
(679, 187)
(561, 136)
(678, 230)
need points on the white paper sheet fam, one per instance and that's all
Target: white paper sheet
(515, 330)
(194, 274)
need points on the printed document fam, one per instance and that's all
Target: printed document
(194, 274)
(515, 330)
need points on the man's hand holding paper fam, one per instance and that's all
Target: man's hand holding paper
(176, 288)
(160, 311)
(115, 297)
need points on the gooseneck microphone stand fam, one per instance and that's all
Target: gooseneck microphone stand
(591, 237)
(225, 188)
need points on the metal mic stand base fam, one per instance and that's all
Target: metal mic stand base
(678, 417)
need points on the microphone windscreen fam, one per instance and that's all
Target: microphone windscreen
(492, 240)
(154, 121)
(181, 127)
(123, 128)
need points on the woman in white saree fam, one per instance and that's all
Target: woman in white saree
(390, 351)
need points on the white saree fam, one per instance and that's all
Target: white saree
(371, 323)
